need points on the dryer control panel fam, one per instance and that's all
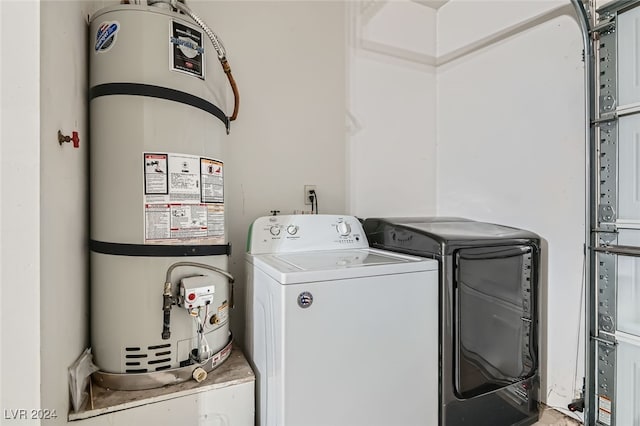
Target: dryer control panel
(293, 233)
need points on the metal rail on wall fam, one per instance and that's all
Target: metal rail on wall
(584, 14)
(613, 220)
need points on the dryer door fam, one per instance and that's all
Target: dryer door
(494, 311)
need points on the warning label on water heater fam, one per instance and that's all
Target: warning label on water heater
(183, 199)
(212, 181)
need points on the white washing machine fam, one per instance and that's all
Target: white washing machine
(339, 334)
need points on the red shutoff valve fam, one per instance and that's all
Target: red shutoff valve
(73, 138)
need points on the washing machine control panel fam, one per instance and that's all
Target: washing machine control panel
(293, 233)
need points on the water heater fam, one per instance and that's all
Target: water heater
(160, 293)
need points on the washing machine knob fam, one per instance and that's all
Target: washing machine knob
(343, 228)
(275, 230)
(292, 229)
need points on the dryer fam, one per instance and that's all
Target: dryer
(488, 321)
(339, 333)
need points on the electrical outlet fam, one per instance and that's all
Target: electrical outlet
(307, 193)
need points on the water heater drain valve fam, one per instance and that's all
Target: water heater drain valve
(196, 292)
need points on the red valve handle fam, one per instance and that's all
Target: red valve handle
(75, 139)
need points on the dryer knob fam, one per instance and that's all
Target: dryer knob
(343, 229)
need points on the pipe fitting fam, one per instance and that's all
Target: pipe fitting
(199, 374)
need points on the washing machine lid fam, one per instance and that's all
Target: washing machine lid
(330, 265)
(438, 235)
(457, 229)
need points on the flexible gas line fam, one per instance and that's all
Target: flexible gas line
(217, 45)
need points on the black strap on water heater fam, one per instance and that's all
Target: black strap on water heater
(154, 250)
(138, 89)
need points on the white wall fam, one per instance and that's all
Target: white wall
(463, 22)
(511, 150)
(20, 215)
(392, 106)
(63, 196)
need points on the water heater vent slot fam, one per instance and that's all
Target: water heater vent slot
(163, 353)
(151, 348)
(132, 363)
(131, 349)
(140, 370)
(136, 356)
(164, 367)
(159, 361)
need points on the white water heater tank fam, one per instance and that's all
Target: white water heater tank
(156, 190)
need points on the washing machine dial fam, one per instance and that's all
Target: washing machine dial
(343, 229)
(275, 230)
(292, 229)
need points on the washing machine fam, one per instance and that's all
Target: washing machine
(488, 281)
(338, 333)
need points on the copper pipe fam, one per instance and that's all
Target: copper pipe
(234, 87)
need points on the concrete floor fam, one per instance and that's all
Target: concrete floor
(551, 417)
